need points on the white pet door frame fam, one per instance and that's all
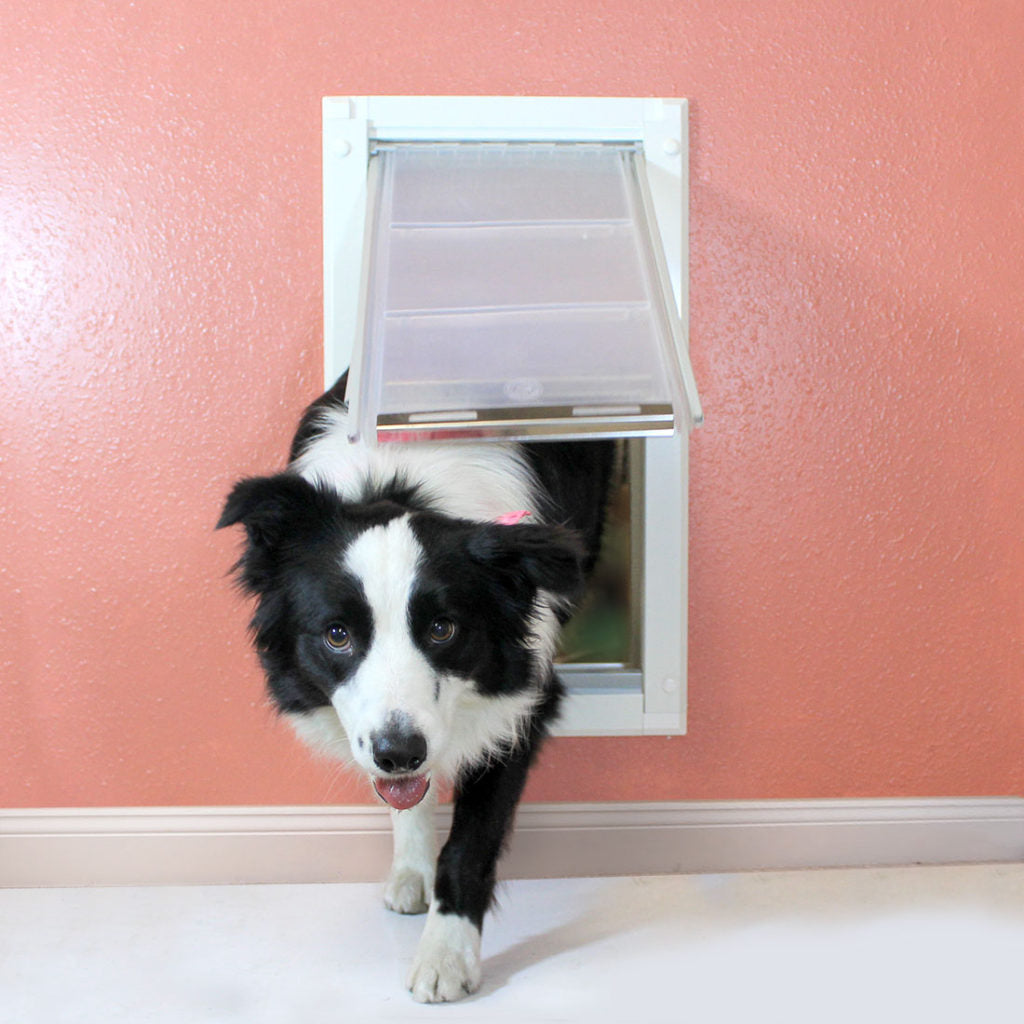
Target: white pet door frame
(416, 188)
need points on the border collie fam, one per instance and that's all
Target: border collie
(406, 619)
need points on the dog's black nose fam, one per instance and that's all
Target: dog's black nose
(399, 750)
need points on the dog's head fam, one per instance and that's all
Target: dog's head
(425, 638)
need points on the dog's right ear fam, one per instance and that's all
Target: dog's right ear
(272, 509)
(268, 506)
(278, 512)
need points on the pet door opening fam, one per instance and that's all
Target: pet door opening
(604, 634)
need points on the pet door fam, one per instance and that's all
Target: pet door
(516, 268)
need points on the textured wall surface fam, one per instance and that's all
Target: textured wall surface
(857, 618)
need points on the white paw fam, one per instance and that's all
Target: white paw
(407, 891)
(411, 882)
(447, 963)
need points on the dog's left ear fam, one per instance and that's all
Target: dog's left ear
(548, 557)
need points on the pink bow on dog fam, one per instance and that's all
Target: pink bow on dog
(511, 518)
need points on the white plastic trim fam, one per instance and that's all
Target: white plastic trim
(665, 605)
(218, 845)
(515, 118)
(590, 713)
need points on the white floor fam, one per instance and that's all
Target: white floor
(900, 945)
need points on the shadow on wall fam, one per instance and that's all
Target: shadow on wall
(854, 611)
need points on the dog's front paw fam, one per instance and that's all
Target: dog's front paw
(444, 978)
(407, 891)
(447, 964)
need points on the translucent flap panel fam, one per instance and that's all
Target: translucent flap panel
(515, 290)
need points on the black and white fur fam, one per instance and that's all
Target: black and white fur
(405, 631)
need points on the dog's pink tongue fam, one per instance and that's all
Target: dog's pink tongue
(404, 792)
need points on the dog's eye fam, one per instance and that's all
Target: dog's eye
(441, 631)
(336, 637)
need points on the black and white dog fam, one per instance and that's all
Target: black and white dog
(406, 622)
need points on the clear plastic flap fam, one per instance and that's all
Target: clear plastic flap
(516, 291)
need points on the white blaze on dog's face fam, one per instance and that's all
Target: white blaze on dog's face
(412, 704)
(395, 689)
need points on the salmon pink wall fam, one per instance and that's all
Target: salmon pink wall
(857, 621)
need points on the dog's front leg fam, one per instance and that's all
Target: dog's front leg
(411, 882)
(447, 963)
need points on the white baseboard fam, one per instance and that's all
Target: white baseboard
(217, 845)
